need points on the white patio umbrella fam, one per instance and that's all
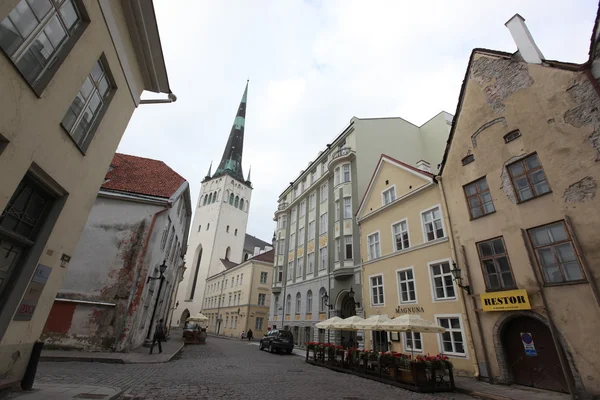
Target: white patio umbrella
(411, 323)
(373, 323)
(327, 323)
(197, 318)
(347, 324)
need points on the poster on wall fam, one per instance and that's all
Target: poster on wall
(33, 293)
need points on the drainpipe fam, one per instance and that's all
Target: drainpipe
(137, 277)
(219, 319)
(438, 179)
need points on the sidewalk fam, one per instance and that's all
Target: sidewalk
(65, 392)
(138, 356)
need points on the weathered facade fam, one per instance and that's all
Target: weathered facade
(140, 219)
(66, 101)
(520, 180)
(319, 258)
(237, 299)
(407, 263)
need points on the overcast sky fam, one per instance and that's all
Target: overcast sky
(315, 64)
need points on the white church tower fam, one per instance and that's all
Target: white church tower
(218, 232)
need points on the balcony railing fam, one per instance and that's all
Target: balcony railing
(282, 206)
(344, 151)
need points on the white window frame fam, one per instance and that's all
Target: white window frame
(432, 283)
(424, 230)
(310, 266)
(343, 176)
(338, 241)
(337, 211)
(436, 318)
(405, 341)
(348, 207)
(313, 176)
(309, 302)
(312, 200)
(290, 270)
(346, 243)
(311, 229)
(300, 236)
(414, 280)
(281, 246)
(298, 302)
(336, 176)
(323, 228)
(394, 246)
(299, 267)
(265, 275)
(323, 265)
(302, 211)
(257, 326)
(383, 192)
(378, 245)
(371, 290)
(264, 299)
(294, 216)
(324, 192)
(292, 240)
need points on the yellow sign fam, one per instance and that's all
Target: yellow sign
(297, 317)
(291, 256)
(505, 301)
(311, 246)
(347, 226)
(323, 241)
(300, 251)
(322, 316)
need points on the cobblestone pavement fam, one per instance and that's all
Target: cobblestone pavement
(226, 369)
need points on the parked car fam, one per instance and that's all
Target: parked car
(276, 340)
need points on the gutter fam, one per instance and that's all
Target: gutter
(95, 303)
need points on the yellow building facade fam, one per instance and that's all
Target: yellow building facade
(237, 299)
(407, 264)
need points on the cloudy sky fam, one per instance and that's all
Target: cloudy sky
(313, 65)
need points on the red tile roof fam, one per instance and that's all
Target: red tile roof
(142, 176)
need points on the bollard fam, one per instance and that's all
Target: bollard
(29, 377)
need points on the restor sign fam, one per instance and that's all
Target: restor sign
(505, 301)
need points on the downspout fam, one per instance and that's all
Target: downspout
(250, 300)
(463, 303)
(219, 319)
(136, 279)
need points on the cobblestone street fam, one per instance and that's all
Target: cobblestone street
(225, 369)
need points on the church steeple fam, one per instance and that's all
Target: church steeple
(231, 162)
(209, 171)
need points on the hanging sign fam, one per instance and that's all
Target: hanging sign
(528, 344)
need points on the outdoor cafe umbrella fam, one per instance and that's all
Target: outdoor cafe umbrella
(197, 318)
(347, 324)
(374, 323)
(328, 323)
(411, 323)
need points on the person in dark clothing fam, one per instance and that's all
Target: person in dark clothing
(249, 334)
(159, 335)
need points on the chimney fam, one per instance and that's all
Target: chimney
(256, 250)
(525, 43)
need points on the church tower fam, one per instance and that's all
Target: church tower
(218, 231)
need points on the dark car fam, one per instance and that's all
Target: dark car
(276, 340)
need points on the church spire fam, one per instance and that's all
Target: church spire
(231, 162)
(209, 170)
(249, 170)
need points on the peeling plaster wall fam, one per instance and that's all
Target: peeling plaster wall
(556, 112)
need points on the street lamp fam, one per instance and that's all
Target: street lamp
(326, 301)
(161, 268)
(458, 279)
(351, 295)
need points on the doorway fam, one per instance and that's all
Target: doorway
(348, 310)
(539, 366)
(184, 315)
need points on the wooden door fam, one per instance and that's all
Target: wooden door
(542, 370)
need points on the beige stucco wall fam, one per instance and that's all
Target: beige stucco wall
(418, 256)
(32, 125)
(550, 110)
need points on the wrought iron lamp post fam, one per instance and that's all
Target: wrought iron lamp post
(161, 268)
(458, 279)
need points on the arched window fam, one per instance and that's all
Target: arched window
(322, 306)
(210, 198)
(231, 199)
(242, 204)
(309, 302)
(226, 197)
(288, 303)
(237, 202)
(196, 272)
(214, 197)
(227, 252)
(227, 229)
(298, 302)
(205, 200)
(245, 255)
(208, 226)
(235, 233)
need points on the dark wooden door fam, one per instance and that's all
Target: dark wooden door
(543, 370)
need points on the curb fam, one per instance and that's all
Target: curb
(82, 359)
(481, 395)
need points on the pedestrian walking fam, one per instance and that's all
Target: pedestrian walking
(159, 336)
(249, 334)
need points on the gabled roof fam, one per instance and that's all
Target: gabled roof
(385, 158)
(228, 264)
(138, 175)
(250, 242)
(266, 257)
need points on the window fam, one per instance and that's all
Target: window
(300, 237)
(401, 235)
(288, 303)
(468, 159)
(336, 176)
(312, 201)
(302, 208)
(324, 168)
(412, 341)
(231, 197)
(290, 271)
(336, 257)
(165, 235)
(324, 192)
(235, 233)
(208, 226)
(83, 115)
(443, 284)
(292, 241)
(555, 253)
(348, 247)
(276, 300)
(309, 302)
(242, 204)
(294, 214)
(510, 136)
(346, 173)
(299, 267)
(323, 258)
(229, 301)
(37, 35)
(311, 230)
(259, 323)
(406, 286)
(199, 227)
(264, 276)
(241, 278)
(347, 207)
(528, 178)
(283, 222)
(279, 274)
(479, 198)
(374, 249)
(432, 224)
(452, 339)
(21, 220)
(281, 246)
(323, 227)
(496, 266)
(261, 299)
(313, 176)
(310, 268)
(377, 297)
(337, 211)
(322, 305)
(302, 186)
(227, 229)
(389, 195)
(298, 303)
(237, 280)
(227, 252)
